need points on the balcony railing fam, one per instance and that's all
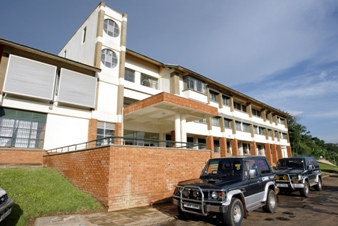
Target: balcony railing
(115, 140)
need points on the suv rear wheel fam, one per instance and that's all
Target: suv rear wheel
(271, 202)
(235, 213)
(318, 187)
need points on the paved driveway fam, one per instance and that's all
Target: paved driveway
(321, 208)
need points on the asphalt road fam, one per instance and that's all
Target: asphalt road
(321, 208)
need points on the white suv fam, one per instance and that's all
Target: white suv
(6, 204)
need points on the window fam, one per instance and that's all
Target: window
(256, 113)
(201, 143)
(129, 75)
(262, 131)
(246, 127)
(226, 100)
(215, 121)
(194, 84)
(227, 123)
(259, 130)
(249, 164)
(141, 138)
(283, 135)
(246, 149)
(239, 107)
(263, 166)
(65, 53)
(84, 33)
(22, 128)
(148, 81)
(111, 28)
(280, 120)
(216, 146)
(238, 126)
(108, 58)
(203, 120)
(213, 96)
(104, 129)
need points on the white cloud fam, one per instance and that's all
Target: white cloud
(258, 38)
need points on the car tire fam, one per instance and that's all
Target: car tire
(318, 186)
(271, 202)
(306, 190)
(183, 215)
(234, 215)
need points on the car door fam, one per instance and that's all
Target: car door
(254, 184)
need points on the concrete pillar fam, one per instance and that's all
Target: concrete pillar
(274, 154)
(178, 129)
(210, 145)
(253, 148)
(119, 133)
(92, 131)
(183, 128)
(279, 152)
(234, 146)
(223, 146)
(288, 148)
(268, 153)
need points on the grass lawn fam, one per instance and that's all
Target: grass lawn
(327, 167)
(39, 192)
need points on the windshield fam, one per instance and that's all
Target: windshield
(228, 168)
(290, 164)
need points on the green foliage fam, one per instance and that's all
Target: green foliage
(42, 191)
(302, 143)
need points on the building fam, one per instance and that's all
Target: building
(96, 88)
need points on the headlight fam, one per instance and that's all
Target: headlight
(299, 177)
(195, 194)
(186, 193)
(214, 195)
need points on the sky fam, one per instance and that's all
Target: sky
(282, 53)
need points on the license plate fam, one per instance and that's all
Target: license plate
(282, 185)
(192, 206)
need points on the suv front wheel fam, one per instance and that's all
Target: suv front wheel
(235, 213)
(305, 191)
(271, 202)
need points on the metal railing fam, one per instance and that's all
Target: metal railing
(129, 141)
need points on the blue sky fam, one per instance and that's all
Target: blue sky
(283, 53)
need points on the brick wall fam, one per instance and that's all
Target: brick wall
(134, 176)
(25, 156)
(87, 169)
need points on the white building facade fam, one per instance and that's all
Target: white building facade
(96, 87)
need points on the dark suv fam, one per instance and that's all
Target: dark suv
(298, 173)
(228, 187)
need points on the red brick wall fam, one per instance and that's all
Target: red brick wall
(27, 156)
(88, 170)
(134, 176)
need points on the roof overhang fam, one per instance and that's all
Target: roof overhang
(161, 109)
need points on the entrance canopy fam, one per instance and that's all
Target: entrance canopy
(163, 108)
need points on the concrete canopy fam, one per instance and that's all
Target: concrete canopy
(161, 110)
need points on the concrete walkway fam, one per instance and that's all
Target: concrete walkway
(152, 215)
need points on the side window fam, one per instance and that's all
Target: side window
(249, 165)
(263, 166)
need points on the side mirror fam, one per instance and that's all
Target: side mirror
(252, 173)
